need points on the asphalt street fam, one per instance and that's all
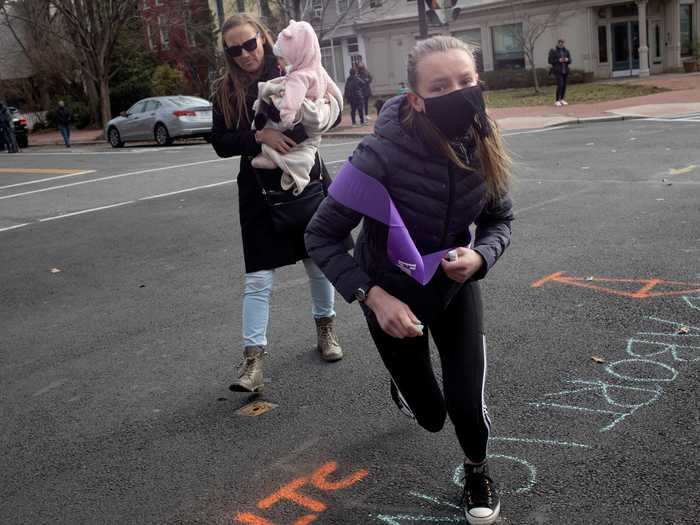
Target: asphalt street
(121, 281)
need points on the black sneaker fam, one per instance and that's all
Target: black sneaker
(400, 401)
(480, 498)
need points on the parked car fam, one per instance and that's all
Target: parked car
(21, 129)
(162, 119)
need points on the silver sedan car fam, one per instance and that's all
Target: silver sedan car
(162, 119)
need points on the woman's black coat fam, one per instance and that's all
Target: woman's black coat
(263, 247)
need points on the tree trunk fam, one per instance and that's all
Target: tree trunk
(105, 105)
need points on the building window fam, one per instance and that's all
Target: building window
(189, 30)
(687, 29)
(149, 35)
(657, 41)
(375, 3)
(602, 44)
(342, 6)
(507, 51)
(624, 10)
(164, 35)
(332, 60)
(352, 46)
(472, 37)
(317, 7)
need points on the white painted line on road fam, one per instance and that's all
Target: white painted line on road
(186, 190)
(334, 162)
(86, 172)
(134, 151)
(531, 131)
(86, 211)
(15, 227)
(549, 201)
(695, 121)
(110, 177)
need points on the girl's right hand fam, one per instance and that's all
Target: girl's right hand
(394, 316)
(274, 138)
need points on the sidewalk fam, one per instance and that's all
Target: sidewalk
(684, 98)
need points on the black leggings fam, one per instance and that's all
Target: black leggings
(459, 337)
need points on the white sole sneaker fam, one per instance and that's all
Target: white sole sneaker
(485, 520)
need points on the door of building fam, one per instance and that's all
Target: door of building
(625, 48)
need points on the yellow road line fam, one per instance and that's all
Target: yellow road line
(37, 171)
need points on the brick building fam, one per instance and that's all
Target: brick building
(180, 33)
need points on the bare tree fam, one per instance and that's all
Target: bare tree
(37, 32)
(95, 26)
(529, 32)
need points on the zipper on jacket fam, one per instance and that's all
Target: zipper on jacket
(451, 176)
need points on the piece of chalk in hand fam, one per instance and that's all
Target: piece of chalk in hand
(419, 326)
(452, 255)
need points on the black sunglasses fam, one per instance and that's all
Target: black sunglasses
(248, 45)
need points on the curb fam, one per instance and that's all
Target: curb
(595, 120)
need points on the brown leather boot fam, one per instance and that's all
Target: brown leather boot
(327, 341)
(250, 377)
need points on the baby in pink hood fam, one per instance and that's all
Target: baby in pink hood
(306, 95)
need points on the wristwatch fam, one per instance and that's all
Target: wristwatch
(362, 292)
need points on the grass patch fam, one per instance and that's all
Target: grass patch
(576, 93)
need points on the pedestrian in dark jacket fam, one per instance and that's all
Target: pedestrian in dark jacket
(367, 88)
(63, 120)
(560, 60)
(438, 158)
(249, 58)
(8, 140)
(354, 94)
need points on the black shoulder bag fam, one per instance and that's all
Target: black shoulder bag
(292, 213)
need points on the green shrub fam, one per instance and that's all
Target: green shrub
(167, 81)
(522, 78)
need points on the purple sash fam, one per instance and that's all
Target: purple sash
(360, 192)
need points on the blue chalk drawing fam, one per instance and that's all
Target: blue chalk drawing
(692, 301)
(605, 391)
(634, 347)
(693, 331)
(402, 518)
(458, 476)
(611, 370)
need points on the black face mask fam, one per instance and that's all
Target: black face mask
(455, 113)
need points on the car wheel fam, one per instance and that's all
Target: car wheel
(115, 139)
(163, 138)
(207, 138)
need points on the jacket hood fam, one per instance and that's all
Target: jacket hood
(388, 126)
(299, 46)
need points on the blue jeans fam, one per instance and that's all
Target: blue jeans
(65, 133)
(256, 301)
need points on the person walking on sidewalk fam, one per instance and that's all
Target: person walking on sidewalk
(367, 88)
(63, 120)
(560, 60)
(354, 94)
(7, 130)
(434, 165)
(247, 47)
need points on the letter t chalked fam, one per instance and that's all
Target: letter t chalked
(291, 492)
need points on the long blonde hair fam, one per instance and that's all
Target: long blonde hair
(495, 159)
(230, 90)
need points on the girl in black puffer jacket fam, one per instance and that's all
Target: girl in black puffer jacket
(442, 165)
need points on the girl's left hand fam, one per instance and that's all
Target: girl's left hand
(467, 264)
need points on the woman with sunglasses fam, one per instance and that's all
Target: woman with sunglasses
(247, 46)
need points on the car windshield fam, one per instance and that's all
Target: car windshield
(188, 102)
